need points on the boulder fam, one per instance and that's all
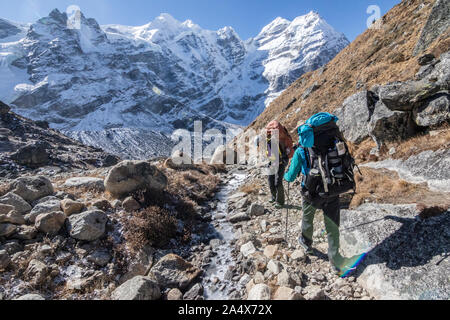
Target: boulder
(99, 257)
(259, 292)
(36, 272)
(87, 226)
(174, 295)
(42, 208)
(434, 111)
(194, 293)
(239, 217)
(34, 155)
(404, 96)
(174, 272)
(31, 297)
(71, 207)
(32, 188)
(130, 176)
(50, 223)
(12, 217)
(19, 204)
(7, 229)
(140, 264)
(248, 249)
(406, 254)
(130, 204)
(386, 125)
(6, 208)
(355, 114)
(179, 160)
(286, 294)
(139, 288)
(87, 183)
(298, 255)
(25, 233)
(256, 210)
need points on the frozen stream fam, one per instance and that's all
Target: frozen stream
(225, 234)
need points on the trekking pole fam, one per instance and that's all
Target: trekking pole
(287, 214)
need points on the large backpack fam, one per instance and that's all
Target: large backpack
(284, 137)
(330, 164)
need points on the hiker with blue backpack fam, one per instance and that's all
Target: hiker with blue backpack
(324, 160)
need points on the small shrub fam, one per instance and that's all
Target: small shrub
(152, 226)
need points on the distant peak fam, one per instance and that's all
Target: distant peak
(167, 18)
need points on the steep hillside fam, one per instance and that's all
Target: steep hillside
(376, 57)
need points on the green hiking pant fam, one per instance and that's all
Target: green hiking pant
(276, 184)
(332, 216)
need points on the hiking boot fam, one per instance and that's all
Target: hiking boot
(272, 201)
(348, 265)
(308, 249)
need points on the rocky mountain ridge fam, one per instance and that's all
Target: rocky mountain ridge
(99, 81)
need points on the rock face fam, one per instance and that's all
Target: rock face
(396, 110)
(431, 167)
(129, 176)
(176, 71)
(87, 226)
(138, 288)
(173, 272)
(406, 254)
(32, 188)
(438, 22)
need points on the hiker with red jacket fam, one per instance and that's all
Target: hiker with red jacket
(285, 151)
(324, 161)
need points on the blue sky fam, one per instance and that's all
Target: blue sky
(247, 17)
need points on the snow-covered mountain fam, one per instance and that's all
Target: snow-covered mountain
(106, 84)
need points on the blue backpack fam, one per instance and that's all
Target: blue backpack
(329, 160)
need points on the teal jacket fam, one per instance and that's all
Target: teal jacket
(299, 162)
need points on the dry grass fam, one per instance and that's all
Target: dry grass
(375, 57)
(251, 189)
(152, 226)
(384, 186)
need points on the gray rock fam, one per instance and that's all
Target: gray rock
(7, 229)
(36, 272)
(386, 125)
(87, 226)
(195, 292)
(355, 115)
(19, 204)
(287, 294)
(130, 204)
(50, 223)
(259, 292)
(314, 293)
(242, 204)
(129, 176)
(4, 259)
(99, 257)
(437, 23)
(239, 217)
(140, 264)
(32, 188)
(404, 96)
(139, 288)
(310, 90)
(284, 280)
(174, 272)
(274, 267)
(174, 295)
(25, 233)
(426, 59)
(34, 155)
(31, 297)
(71, 207)
(256, 210)
(12, 217)
(248, 249)
(87, 183)
(433, 112)
(406, 254)
(45, 207)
